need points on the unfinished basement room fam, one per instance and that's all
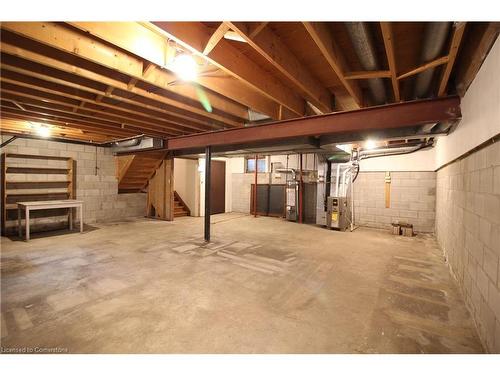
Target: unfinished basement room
(250, 187)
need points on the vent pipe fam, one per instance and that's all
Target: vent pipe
(435, 37)
(361, 38)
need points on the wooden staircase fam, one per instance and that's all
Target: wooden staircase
(135, 171)
(180, 208)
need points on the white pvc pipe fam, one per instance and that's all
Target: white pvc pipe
(337, 181)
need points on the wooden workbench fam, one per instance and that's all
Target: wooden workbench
(46, 205)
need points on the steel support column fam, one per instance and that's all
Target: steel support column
(208, 160)
(255, 188)
(301, 191)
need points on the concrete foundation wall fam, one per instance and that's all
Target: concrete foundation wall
(98, 190)
(468, 230)
(413, 200)
(241, 189)
(480, 112)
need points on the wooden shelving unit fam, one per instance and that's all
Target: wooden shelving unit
(12, 191)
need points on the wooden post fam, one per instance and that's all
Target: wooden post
(71, 189)
(160, 200)
(387, 189)
(208, 160)
(169, 187)
(255, 188)
(300, 191)
(4, 192)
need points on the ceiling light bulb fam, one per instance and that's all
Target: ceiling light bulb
(370, 145)
(185, 67)
(43, 131)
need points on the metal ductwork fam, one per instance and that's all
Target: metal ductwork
(254, 116)
(361, 38)
(435, 37)
(388, 151)
(138, 143)
(291, 171)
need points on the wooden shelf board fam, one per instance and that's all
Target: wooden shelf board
(39, 157)
(36, 184)
(37, 170)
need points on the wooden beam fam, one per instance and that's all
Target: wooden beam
(76, 108)
(391, 116)
(93, 114)
(129, 35)
(478, 43)
(84, 46)
(147, 70)
(270, 46)
(231, 86)
(368, 74)
(17, 58)
(25, 89)
(215, 38)
(431, 64)
(458, 32)
(35, 113)
(391, 58)
(109, 91)
(322, 37)
(58, 83)
(18, 127)
(255, 28)
(75, 124)
(19, 106)
(131, 84)
(194, 36)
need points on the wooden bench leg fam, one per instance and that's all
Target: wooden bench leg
(70, 218)
(81, 219)
(19, 226)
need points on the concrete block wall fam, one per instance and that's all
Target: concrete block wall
(241, 188)
(98, 190)
(468, 231)
(413, 200)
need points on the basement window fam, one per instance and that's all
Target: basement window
(250, 165)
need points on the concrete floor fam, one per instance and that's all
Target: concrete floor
(263, 285)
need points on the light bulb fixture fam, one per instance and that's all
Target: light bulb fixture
(40, 129)
(43, 131)
(369, 144)
(185, 67)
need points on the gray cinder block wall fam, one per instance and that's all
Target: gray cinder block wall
(413, 200)
(468, 231)
(241, 189)
(99, 191)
